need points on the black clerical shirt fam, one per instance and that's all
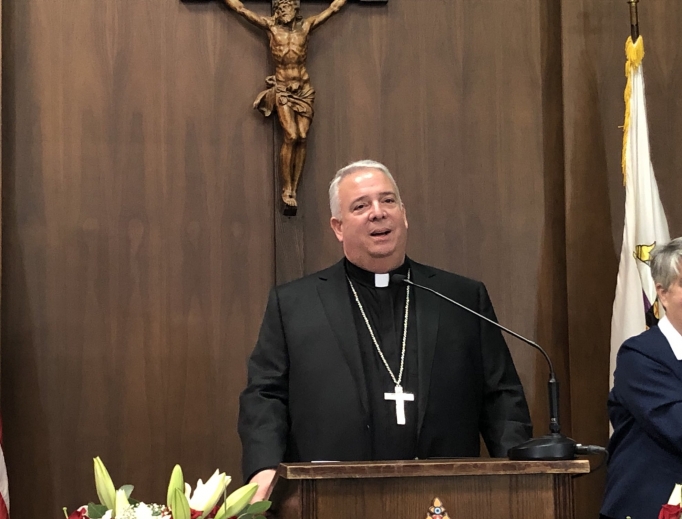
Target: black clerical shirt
(385, 309)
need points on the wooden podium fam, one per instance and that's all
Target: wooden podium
(468, 488)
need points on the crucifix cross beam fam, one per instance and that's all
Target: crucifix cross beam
(273, 1)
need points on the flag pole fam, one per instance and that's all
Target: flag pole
(634, 21)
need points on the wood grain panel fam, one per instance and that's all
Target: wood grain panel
(470, 488)
(139, 242)
(426, 468)
(519, 497)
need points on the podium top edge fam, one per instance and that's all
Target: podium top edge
(428, 468)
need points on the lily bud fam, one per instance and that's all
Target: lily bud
(237, 501)
(176, 481)
(106, 492)
(179, 505)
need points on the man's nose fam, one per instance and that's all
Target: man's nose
(377, 212)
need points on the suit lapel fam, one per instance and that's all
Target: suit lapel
(428, 314)
(332, 288)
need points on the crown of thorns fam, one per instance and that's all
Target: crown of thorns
(279, 3)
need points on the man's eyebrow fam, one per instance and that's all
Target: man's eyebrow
(367, 197)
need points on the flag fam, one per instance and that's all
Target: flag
(4, 485)
(635, 307)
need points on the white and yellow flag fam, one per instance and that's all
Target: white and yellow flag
(645, 223)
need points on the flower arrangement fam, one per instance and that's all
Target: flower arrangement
(181, 502)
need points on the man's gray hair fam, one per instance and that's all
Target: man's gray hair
(334, 203)
(665, 263)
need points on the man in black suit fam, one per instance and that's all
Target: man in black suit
(349, 366)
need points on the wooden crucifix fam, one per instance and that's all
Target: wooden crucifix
(289, 93)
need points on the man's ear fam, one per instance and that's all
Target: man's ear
(405, 216)
(337, 227)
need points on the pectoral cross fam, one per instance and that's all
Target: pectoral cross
(400, 399)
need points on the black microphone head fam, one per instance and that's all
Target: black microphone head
(398, 278)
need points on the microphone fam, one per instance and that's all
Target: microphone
(553, 446)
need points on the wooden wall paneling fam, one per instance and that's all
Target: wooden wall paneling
(551, 318)
(138, 245)
(660, 26)
(593, 81)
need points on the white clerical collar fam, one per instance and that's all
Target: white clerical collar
(673, 336)
(381, 280)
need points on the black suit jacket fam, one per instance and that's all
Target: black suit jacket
(306, 397)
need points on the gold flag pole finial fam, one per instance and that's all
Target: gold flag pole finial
(634, 20)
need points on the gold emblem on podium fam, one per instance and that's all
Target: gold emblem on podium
(437, 510)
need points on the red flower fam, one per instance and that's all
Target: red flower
(79, 514)
(667, 512)
(195, 514)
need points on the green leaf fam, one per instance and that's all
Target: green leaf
(259, 507)
(96, 511)
(128, 489)
(246, 516)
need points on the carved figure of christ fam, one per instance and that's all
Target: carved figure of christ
(291, 94)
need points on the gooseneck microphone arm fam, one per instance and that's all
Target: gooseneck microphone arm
(554, 446)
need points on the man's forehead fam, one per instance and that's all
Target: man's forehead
(358, 176)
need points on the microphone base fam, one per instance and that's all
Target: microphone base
(546, 448)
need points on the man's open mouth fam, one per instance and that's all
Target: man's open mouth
(380, 232)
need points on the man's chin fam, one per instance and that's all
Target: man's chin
(380, 253)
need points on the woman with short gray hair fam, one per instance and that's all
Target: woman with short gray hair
(645, 404)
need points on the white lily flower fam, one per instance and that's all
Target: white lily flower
(206, 495)
(122, 503)
(676, 496)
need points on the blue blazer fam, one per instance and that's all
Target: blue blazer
(645, 408)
